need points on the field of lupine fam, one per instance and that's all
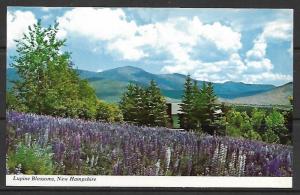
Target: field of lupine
(98, 148)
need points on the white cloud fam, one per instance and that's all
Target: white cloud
(97, 23)
(47, 17)
(267, 76)
(127, 49)
(17, 24)
(224, 37)
(47, 9)
(258, 51)
(217, 71)
(279, 29)
(259, 67)
(176, 36)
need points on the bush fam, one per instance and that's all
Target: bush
(270, 137)
(234, 122)
(31, 159)
(258, 120)
(108, 112)
(252, 135)
(275, 122)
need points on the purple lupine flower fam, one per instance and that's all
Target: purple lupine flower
(137, 150)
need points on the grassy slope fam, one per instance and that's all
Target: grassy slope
(277, 96)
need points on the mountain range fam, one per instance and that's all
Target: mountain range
(110, 84)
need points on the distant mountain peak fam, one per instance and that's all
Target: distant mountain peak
(129, 68)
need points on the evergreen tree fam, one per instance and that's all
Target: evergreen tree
(128, 103)
(141, 111)
(211, 108)
(198, 107)
(186, 109)
(156, 106)
(144, 107)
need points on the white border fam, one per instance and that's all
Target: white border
(152, 181)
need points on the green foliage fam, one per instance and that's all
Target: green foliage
(130, 101)
(33, 159)
(270, 127)
(252, 135)
(186, 118)
(12, 102)
(212, 107)
(270, 137)
(144, 106)
(275, 122)
(199, 108)
(155, 106)
(239, 125)
(48, 84)
(258, 120)
(108, 112)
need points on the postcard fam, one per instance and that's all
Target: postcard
(149, 97)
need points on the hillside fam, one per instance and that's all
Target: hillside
(114, 82)
(110, 84)
(276, 96)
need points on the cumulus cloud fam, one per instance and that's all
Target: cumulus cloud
(221, 71)
(275, 30)
(176, 36)
(279, 29)
(269, 76)
(17, 24)
(256, 60)
(97, 23)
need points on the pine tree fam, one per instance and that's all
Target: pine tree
(140, 112)
(144, 107)
(212, 116)
(186, 120)
(197, 107)
(128, 103)
(156, 106)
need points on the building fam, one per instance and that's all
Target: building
(173, 111)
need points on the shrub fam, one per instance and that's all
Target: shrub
(270, 137)
(108, 112)
(252, 135)
(33, 159)
(275, 122)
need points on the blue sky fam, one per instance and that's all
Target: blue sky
(218, 45)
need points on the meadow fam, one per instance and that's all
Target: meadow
(40, 144)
